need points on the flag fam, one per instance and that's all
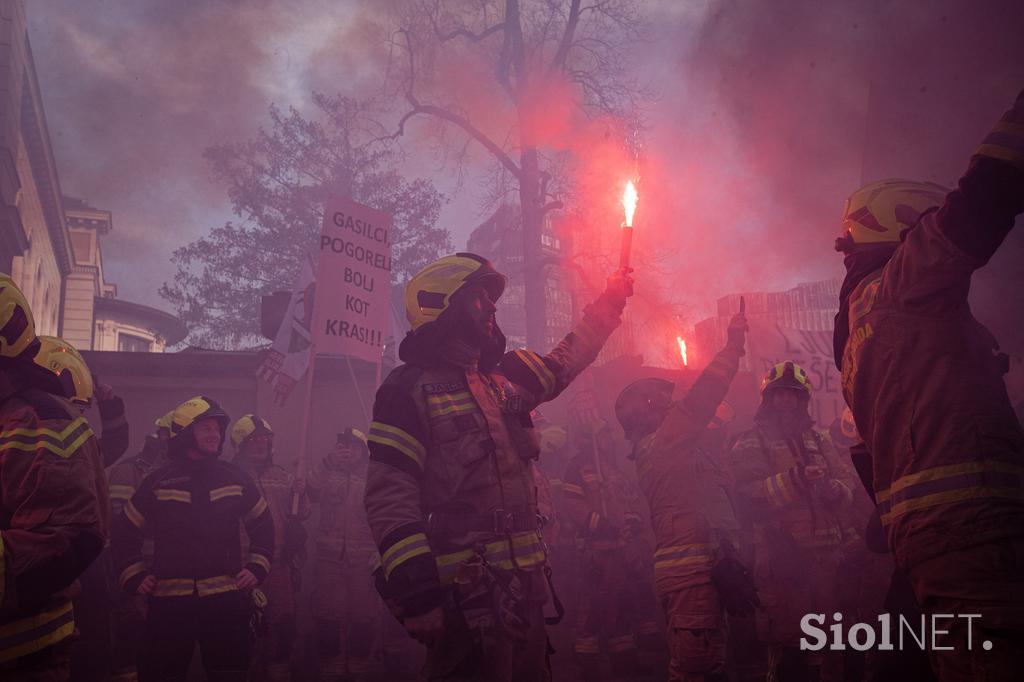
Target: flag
(288, 358)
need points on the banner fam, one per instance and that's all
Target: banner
(354, 280)
(288, 357)
(770, 344)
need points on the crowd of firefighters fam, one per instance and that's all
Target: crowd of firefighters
(455, 531)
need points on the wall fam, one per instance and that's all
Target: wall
(151, 384)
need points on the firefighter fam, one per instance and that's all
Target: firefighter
(602, 506)
(128, 611)
(789, 482)
(696, 572)
(58, 355)
(925, 382)
(198, 583)
(346, 610)
(450, 495)
(252, 438)
(55, 511)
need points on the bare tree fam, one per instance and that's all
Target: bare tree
(486, 70)
(277, 182)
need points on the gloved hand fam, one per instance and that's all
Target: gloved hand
(737, 332)
(619, 287)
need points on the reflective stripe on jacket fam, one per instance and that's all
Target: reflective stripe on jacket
(453, 439)
(54, 519)
(685, 493)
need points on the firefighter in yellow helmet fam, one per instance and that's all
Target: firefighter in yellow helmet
(198, 581)
(450, 493)
(80, 387)
(252, 438)
(697, 575)
(925, 382)
(55, 512)
(90, 659)
(129, 611)
(791, 486)
(347, 615)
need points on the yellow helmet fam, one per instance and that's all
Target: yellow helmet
(884, 210)
(189, 413)
(786, 375)
(164, 422)
(17, 327)
(60, 357)
(249, 425)
(429, 292)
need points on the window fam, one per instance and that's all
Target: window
(129, 343)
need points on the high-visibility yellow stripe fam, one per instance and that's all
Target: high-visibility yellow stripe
(1000, 152)
(62, 435)
(207, 587)
(64, 450)
(226, 491)
(536, 365)
(170, 495)
(256, 511)
(403, 550)
(121, 492)
(390, 442)
(947, 471)
(130, 572)
(570, 489)
(260, 561)
(696, 547)
(134, 515)
(174, 587)
(950, 497)
(45, 638)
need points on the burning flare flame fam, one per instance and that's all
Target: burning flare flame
(682, 349)
(629, 199)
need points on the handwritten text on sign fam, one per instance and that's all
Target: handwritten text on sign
(353, 280)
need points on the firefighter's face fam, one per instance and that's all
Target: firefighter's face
(479, 309)
(785, 398)
(207, 435)
(258, 447)
(344, 454)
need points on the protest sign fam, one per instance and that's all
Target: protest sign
(353, 281)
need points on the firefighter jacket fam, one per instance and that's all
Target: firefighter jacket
(54, 519)
(450, 451)
(684, 485)
(788, 511)
(599, 501)
(192, 511)
(124, 477)
(342, 525)
(114, 430)
(277, 487)
(924, 378)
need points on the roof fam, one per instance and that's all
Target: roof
(163, 323)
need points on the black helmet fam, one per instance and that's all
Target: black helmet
(638, 400)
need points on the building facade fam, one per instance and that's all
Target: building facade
(50, 244)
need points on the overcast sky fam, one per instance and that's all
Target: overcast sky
(760, 131)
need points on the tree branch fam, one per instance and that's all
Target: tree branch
(464, 32)
(558, 61)
(440, 112)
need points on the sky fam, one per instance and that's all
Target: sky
(767, 115)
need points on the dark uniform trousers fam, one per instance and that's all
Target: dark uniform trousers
(220, 625)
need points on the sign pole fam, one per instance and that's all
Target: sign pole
(307, 400)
